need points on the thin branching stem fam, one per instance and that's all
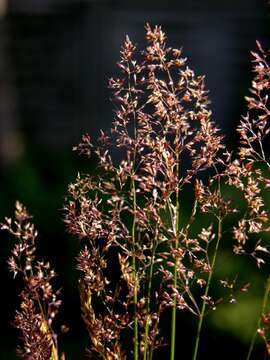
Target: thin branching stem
(210, 275)
(133, 230)
(146, 333)
(177, 226)
(263, 307)
(135, 295)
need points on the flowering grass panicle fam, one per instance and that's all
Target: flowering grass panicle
(39, 301)
(132, 217)
(164, 129)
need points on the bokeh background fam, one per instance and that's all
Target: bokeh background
(55, 60)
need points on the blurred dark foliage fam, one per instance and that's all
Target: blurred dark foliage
(55, 59)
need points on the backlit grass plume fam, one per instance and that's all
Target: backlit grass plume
(145, 250)
(40, 302)
(130, 215)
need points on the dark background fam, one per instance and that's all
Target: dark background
(55, 59)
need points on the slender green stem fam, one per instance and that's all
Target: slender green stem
(263, 307)
(135, 295)
(145, 352)
(149, 299)
(133, 231)
(173, 330)
(177, 223)
(146, 333)
(202, 312)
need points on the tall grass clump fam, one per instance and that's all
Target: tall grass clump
(145, 250)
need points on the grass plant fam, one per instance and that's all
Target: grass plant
(131, 217)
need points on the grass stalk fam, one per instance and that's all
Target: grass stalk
(146, 333)
(263, 307)
(210, 275)
(177, 223)
(135, 296)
